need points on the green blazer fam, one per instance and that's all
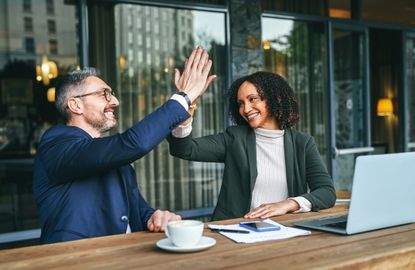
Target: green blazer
(236, 147)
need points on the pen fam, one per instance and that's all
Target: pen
(229, 231)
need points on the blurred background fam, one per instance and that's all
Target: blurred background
(351, 64)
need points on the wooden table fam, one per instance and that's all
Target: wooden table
(392, 248)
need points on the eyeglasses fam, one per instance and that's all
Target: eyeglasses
(108, 93)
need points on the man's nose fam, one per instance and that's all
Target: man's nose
(114, 101)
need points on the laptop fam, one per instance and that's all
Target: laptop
(382, 196)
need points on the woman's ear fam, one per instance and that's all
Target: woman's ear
(74, 106)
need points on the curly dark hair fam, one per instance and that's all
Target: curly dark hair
(272, 88)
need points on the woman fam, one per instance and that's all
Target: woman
(270, 168)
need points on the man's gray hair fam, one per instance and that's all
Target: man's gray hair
(70, 85)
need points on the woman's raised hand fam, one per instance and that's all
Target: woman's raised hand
(195, 80)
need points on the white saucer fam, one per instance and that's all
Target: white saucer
(204, 243)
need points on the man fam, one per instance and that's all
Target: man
(83, 183)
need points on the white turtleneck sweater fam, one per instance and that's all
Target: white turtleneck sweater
(271, 182)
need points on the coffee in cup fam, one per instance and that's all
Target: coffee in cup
(184, 233)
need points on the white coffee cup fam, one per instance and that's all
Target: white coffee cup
(184, 233)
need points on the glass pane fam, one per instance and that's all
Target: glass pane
(340, 9)
(385, 83)
(310, 7)
(27, 94)
(350, 111)
(411, 92)
(151, 42)
(386, 11)
(348, 87)
(297, 51)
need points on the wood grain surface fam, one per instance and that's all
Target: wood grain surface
(392, 248)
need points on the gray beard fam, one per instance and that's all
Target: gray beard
(101, 125)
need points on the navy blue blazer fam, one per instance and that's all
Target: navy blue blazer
(85, 187)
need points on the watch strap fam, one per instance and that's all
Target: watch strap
(186, 97)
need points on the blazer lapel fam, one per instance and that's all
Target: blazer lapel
(289, 160)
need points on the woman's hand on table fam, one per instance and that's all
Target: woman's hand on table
(267, 210)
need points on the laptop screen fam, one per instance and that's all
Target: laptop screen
(382, 195)
(383, 192)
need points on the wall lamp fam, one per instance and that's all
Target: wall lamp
(50, 94)
(385, 107)
(46, 71)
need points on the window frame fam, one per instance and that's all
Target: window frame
(29, 42)
(28, 24)
(51, 26)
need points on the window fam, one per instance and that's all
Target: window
(165, 28)
(139, 39)
(165, 45)
(28, 24)
(25, 112)
(30, 45)
(27, 5)
(140, 57)
(51, 27)
(130, 55)
(296, 51)
(148, 59)
(129, 20)
(164, 181)
(410, 70)
(148, 41)
(50, 7)
(157, 60)
(53, 46)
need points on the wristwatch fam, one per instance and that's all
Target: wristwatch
(186, 97)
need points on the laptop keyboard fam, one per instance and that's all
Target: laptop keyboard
(340, 225)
